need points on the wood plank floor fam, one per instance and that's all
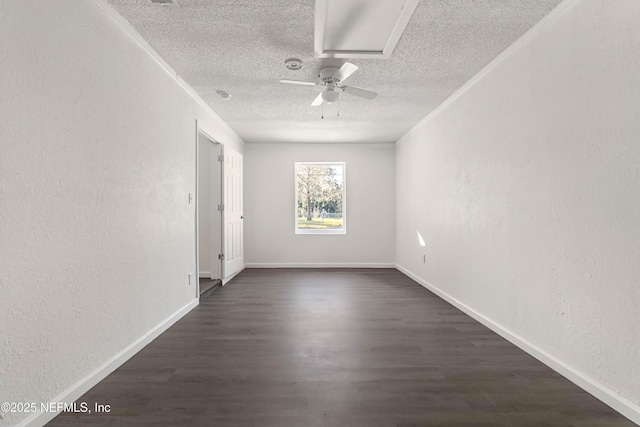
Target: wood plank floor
(205, 285)
(370, 348)
(208, 286)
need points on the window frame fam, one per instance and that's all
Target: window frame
(343, 230)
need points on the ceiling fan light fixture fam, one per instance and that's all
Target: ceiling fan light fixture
(330, 95)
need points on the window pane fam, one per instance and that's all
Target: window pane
(320, 196)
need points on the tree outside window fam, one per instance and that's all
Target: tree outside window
(320, 198)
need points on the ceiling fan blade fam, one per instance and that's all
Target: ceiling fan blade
(345, 71)
(317, 101)
(297, 82)
(359, 92)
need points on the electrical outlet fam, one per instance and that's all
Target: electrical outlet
(190, 278)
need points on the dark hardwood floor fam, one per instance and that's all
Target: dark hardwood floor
(370, 348)
(208, 286)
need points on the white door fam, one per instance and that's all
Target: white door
(233, 230)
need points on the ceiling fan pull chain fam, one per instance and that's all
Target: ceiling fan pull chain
(322, 117)
(338, 108)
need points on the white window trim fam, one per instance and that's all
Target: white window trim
(343, 230)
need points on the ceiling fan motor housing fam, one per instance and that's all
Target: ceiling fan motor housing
(327, 73)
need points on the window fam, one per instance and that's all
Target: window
(320, 198)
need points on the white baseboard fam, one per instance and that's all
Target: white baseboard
(320, 265)
(204, 274)
(605, 394)
(74, 392)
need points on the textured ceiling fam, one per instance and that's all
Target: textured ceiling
(240, 47)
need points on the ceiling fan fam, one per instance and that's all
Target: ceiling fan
(330, 78)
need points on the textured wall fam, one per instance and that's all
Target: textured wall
(97, 159)
(525, 189)
(270, 202)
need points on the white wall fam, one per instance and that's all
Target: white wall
(526, 190)
(97, 160)
(269, 196)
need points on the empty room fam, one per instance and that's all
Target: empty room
(365, 213)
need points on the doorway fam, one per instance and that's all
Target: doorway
(209, 217)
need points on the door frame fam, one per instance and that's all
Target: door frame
(214, 259)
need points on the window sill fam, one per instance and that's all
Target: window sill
(311, 231)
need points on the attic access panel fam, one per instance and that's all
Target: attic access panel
(360, 28)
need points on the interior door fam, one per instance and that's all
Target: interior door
(233, 217)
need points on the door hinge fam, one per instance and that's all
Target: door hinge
(220, 208)
(221, 158)
(221, 257)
